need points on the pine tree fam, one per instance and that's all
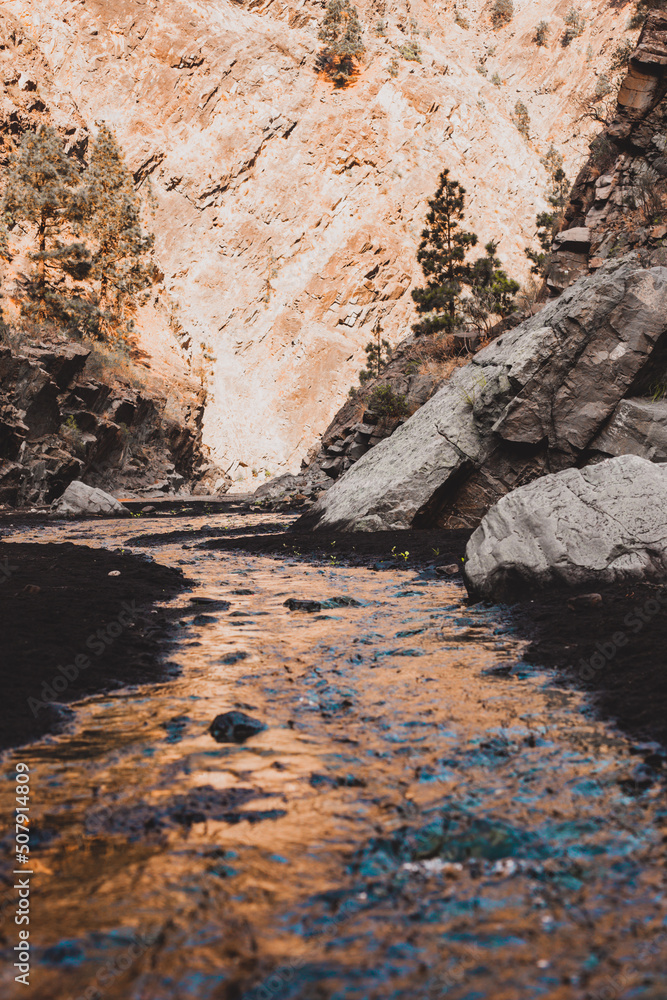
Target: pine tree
(378, 354)
(43, 188)
(546, 226)
(559, 185)
(442, 255)
(492, 290)
(341, 33)
(120, 248)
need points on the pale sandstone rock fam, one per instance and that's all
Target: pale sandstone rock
(288, 212)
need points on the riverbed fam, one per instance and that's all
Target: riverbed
(419, 818)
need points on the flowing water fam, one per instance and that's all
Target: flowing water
(416, 821)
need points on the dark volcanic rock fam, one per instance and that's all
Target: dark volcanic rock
(298, 605)
(332, 602)
(235, 727)
(57, 426)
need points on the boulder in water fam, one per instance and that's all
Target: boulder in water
(80, 500)
(235, 727)
(602, 524)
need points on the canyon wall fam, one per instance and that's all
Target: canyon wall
(287, 211)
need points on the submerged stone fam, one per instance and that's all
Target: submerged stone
(297, 605)
(235, 727)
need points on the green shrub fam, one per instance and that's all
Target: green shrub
(542, 33)
(575, 25)
(341, 33)
(496, 79)
(411, 51)
(378, 355)
(461, 20)
(521, 119)
(658, 391)
(603, 152)
(621, 54)
(603, 86)
(642, 9)
(502, 13)
(387, 403)
(481, 69)
(393, 67)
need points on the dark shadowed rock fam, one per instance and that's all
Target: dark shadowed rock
(331, 602)
(598, 525)
(235, 727)
(297, 605)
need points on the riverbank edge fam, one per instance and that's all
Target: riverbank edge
(76, 621)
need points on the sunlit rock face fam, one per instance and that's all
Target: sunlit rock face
(288, 212)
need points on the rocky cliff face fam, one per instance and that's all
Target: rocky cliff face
(618, 200)
(543, 397)
(288, 211)
(71, 412)
(583, 379)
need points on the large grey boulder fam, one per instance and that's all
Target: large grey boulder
(80, 500)
(530, 403)
(590, 526)
(638, 427)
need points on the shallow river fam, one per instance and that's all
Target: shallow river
(414, 822)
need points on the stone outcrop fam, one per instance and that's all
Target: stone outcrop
(619, 197)
(413, 374)
(80, 500)
(288, 211)
(600, 525)
(638, 427)
(535, 401)
(67, 413)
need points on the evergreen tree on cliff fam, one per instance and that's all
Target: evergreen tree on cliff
(442, 255)
(341, 33)
(120, 259)
(43, 188)
(492, 291)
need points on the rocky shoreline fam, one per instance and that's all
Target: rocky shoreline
(75, 621)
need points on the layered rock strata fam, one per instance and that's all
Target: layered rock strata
(287, 210)
(619, 199)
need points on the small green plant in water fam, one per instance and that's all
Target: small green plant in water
(400, 555)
